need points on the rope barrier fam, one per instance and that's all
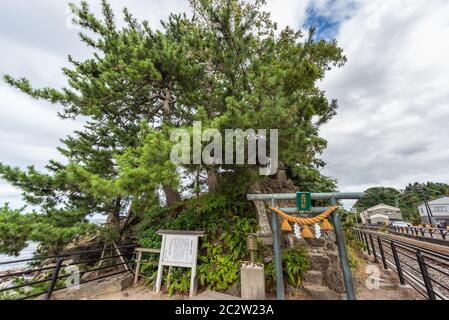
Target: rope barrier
(306, 221)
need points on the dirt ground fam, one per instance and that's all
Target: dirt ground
(369, 286)
(140, 293)
(371, 282)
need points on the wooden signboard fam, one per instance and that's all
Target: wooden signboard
(179, 249)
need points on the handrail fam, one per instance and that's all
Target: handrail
(418, 270)
(64, 255)
(53, 277)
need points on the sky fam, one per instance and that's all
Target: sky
(393, 120)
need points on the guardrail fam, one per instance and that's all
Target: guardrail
(425, 270)
(432, 233)
(48, 279)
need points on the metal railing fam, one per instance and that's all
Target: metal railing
(432, 233)
(52, 272)
(425, 270)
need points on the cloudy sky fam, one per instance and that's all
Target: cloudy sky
(393, 121)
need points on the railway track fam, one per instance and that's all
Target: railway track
(422, 244)
(422, 265)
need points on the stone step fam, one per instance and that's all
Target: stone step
(316, 250)
(314, 277)
(318, 292)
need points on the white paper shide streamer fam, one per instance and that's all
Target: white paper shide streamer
(317, 230)
(297, 231)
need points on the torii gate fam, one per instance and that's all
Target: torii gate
(333, 197)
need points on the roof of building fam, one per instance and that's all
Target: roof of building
(382, 205)
(440, 200)
(378, 215)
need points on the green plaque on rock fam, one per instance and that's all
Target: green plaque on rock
(303, 201)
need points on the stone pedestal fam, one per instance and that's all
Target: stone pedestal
(252, 277)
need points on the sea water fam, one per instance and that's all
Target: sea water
(28, 251)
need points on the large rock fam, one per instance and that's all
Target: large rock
(331, 246)
(333, 255)
(281, 175)
(334, 279)
(264, 231)
(319, 261)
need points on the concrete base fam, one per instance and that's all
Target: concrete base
(252, 277)
(95, 289)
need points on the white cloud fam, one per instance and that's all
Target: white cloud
(287, 12)
(393, 95)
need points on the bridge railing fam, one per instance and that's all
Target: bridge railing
(425, 270)
(45, 275)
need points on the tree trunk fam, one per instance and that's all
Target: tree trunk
(168, 99)
(212, 179)
(172, 196)
(114, 216)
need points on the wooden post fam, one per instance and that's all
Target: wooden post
(193, 275)
(101, 258)
(125, 265)
(140, 252)
(170, 271)
(139, 258)
(160, 268)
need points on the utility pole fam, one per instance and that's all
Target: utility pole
(355, 210)
(425, 198)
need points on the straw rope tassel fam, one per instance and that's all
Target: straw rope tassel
(325, 225)
(306, 233)
(306, 221)
(286, 227)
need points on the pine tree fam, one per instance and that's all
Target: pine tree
(226, 66)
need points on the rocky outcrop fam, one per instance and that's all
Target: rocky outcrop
(324, 280)
(278, 184)
(324, 277)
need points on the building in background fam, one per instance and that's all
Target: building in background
(439, 210)
(381, 214)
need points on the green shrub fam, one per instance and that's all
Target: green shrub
(226, 224)
(295, 263)
(219, 272)
(179, 281)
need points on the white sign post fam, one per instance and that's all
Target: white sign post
(179, 249)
